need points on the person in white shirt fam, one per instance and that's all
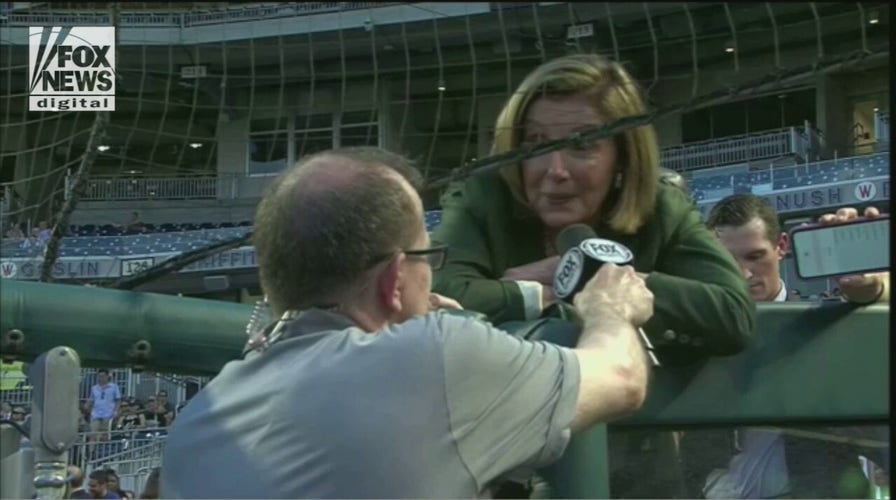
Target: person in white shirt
(748, 227)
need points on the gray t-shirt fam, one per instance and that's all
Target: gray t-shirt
(438, 406)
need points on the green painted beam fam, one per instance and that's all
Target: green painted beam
(809, 361)
(186, 335)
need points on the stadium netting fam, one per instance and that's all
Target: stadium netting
(211, 99)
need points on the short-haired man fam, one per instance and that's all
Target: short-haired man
(105, 397)
(98, 485)
(748, 227)
(363, 389)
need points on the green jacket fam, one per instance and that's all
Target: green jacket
(701, 301)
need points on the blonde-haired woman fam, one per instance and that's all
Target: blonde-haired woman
(501, 227)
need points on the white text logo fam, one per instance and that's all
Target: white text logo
(71, 68)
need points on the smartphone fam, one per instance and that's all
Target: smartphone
(858, 247)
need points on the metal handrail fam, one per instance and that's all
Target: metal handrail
(853, 165)
(116, 189)
(736, 149)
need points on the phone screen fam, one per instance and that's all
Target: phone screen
(859, 247)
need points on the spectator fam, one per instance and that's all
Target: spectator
(18, 415)
(98, 486)
(154, 417)
(748, 227)
(5, 410)
(440, 405)
(113, 485)
(149, 409)
(76, 483)
(135, 225)
(794, 295)
(162, 403)
(15, 233)
(33, 241)
(151, 488)
(128, 418)
(105, 397)
(44, 232)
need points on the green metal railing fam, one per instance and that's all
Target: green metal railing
(809, 363)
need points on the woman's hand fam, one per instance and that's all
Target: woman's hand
(437, 301)
(541, 271)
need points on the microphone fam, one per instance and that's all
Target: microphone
(54, 423)
(583, 255)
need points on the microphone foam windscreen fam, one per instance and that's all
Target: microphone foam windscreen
(572, 235)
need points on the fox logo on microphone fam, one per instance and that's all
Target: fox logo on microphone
(607, 251)
(71, 68)
(569, 271)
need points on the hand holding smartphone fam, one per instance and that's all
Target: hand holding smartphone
(858, 246)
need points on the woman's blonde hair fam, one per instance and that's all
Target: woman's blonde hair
(614, 95)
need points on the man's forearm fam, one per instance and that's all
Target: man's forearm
(618, 340)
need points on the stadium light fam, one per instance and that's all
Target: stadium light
(102, 148)
(873, 17)
(441, 86)
(195, 145)
(729, 46)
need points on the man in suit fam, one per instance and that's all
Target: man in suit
(748, 227)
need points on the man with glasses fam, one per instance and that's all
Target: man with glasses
(362, 387)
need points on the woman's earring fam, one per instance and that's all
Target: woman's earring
(617, 181)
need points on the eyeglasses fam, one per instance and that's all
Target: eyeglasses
(434, 256)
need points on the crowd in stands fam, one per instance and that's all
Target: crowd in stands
(38, 237)
(17, 414)
(105, 483)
